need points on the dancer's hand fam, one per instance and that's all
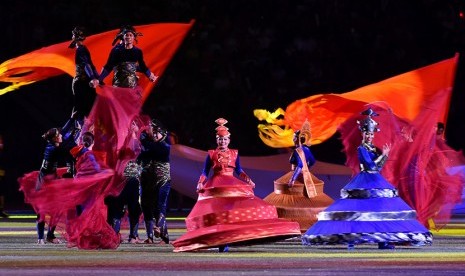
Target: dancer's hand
(386, 149)
(199, 188)
(291, 183)
(94, 83)
(251, 183)
(202, 180)
(153, 77)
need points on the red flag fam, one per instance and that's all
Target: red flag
(404, 93)
(158, 43)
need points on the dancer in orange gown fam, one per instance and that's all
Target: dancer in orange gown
(298, 195)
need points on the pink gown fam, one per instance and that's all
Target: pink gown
(228, 212)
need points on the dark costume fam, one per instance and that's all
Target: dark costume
(84, 94)
(227, 211)
(155, 185)
(70, 132)
(370, 209)
(125, 63)
(129, 197)
(302, 201)
(53, 153)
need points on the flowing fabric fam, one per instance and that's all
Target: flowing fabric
(418, 162)
(159, 43)
(110, 120)
(405, 93)
(369, 211)
(57, 199)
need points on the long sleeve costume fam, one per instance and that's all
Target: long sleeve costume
(369, 211)
(84, 94)
(70, 132)
(155, 184)
(125, 63)
(228, 212)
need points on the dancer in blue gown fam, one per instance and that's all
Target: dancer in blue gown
(369, 210)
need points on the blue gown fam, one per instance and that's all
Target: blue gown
(369, 211)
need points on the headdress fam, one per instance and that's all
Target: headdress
(221, 130)
(304, 135)
(122, 31)
(158, 128)
(368, 124)
(78, 33)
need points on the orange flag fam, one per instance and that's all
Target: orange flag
(158, 43)
(404, 94)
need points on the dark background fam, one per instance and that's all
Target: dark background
(240, 55)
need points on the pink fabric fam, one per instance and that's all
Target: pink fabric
(418, 161)
(110, 120)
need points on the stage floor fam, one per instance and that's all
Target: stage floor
(19, 255)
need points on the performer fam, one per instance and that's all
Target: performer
(129, 196)
(83, 92)
(369, 210)
(86, 228)
(70, 135)
(56, 152)
(227, 211)
(155, 180)
(125, 60)
(48, 171)
(298, 195)
(86, 163)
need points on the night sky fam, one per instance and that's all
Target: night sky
(240, 55)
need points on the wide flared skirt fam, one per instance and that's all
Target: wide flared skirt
(231, 215)
(246, 232)
(377, 215)
(294, 204)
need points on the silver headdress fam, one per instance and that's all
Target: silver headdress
(368, 124)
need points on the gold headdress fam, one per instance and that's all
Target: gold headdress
(221, 130)
(304, 135)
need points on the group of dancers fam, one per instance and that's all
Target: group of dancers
(115, 155)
